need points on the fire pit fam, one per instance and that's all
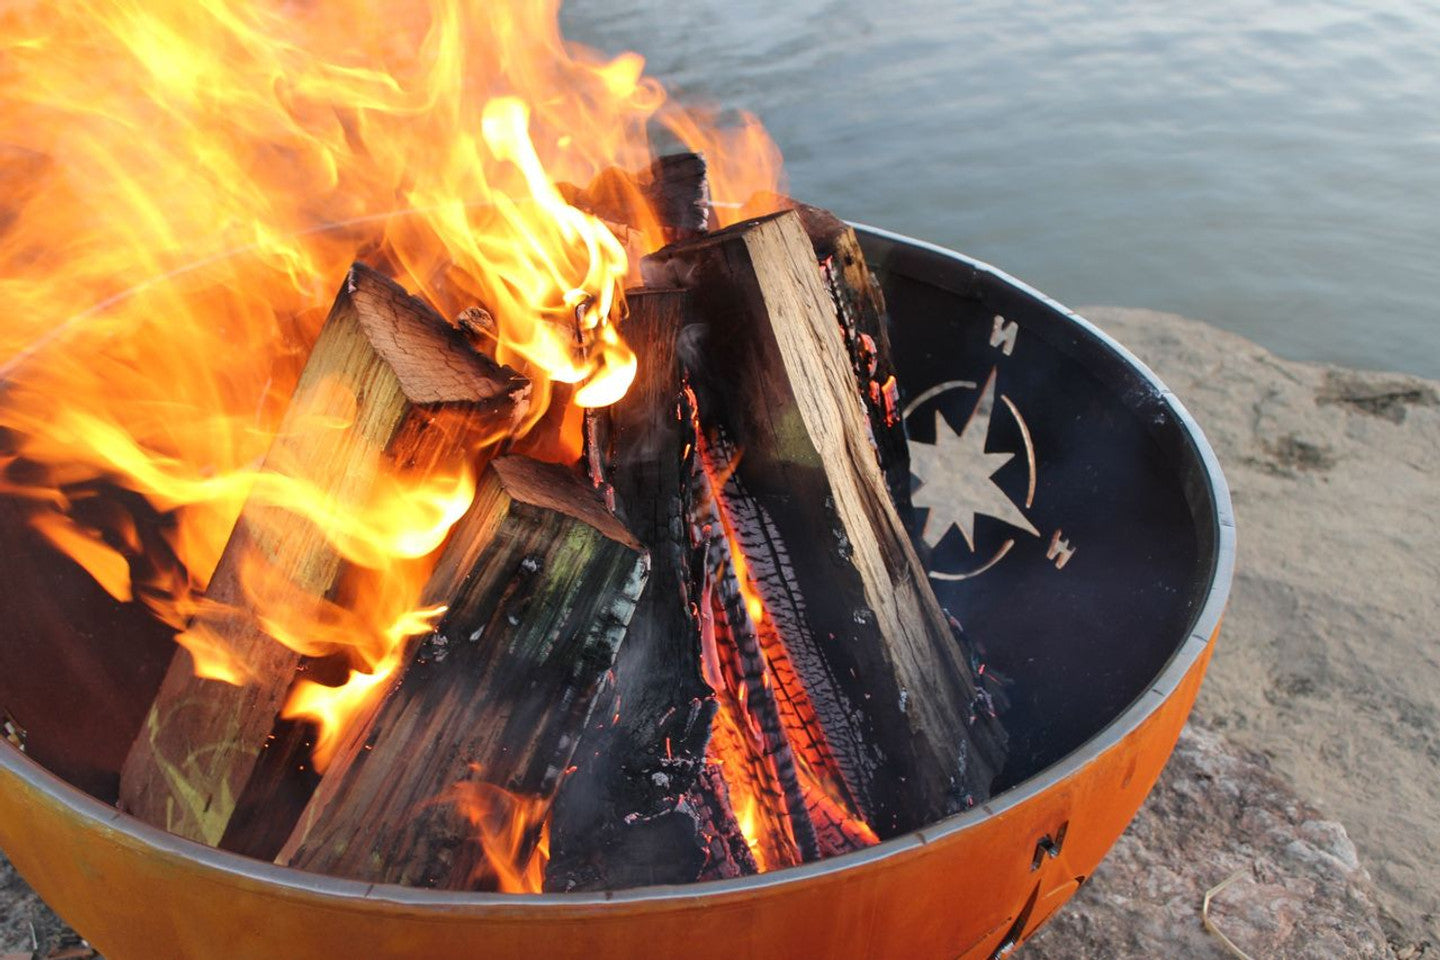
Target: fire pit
(1092, 559)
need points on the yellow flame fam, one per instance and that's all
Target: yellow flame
(183, 184)
(332, 708)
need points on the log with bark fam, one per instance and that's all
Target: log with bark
(411, 396)
(861, 626)
(542, 582)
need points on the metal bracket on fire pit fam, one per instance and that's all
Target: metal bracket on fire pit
(1048, 846)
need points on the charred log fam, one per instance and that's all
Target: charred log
(727, 851)
(632, 774)
(678, 190)
(777, 383)
(670, 200)
(760, 615)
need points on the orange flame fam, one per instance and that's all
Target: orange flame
(512, 832)
(184, 183)
(736, 743)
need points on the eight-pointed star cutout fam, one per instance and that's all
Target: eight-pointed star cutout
(956, 475)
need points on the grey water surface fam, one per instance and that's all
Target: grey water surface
(1270, 166)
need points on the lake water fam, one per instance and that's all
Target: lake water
(1270, 166)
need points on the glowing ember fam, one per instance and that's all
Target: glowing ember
(754, 760)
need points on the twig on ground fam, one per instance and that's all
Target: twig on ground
(1210, 927)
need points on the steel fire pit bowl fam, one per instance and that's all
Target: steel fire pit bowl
(1087, 544)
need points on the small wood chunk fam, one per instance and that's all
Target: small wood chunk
(413, 397)
(546, 583)
(678, 190)
(480, 329)
(776, 382)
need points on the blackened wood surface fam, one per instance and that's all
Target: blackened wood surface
(415, 398)
(727, 853)
(631, 774)
(777, 382)
(745, 677)
(498, 695)
(670, 199)
(678, 190)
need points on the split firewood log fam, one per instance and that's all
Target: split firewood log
(868, 639)
(412, 397)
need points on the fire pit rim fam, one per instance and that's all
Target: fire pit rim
(1200, 634)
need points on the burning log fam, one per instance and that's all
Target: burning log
(619, 819)
(863, 631)
(544, 583)
(628, 792)
(393, 388)
(678, 190)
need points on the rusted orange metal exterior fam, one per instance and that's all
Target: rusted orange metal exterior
(959, 890)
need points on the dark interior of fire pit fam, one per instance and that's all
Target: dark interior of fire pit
(1079, 613)
(1079, 641)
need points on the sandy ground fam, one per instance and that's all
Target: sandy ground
(1329, 660)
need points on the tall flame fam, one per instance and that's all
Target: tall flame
(184, 184)
(187, 179)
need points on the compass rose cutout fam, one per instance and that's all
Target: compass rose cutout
(957, 475)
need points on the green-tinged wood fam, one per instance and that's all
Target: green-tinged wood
(494, 702)
(389, 386)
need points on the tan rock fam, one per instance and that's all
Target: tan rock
(1329, 659)
(1219, 811)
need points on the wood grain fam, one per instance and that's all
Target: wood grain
(389, 386)
(499, 695)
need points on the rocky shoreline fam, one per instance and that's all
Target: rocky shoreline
(1297, 890)
(1327, 664)
(1324, 694)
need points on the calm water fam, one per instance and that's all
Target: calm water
(1271, 166)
